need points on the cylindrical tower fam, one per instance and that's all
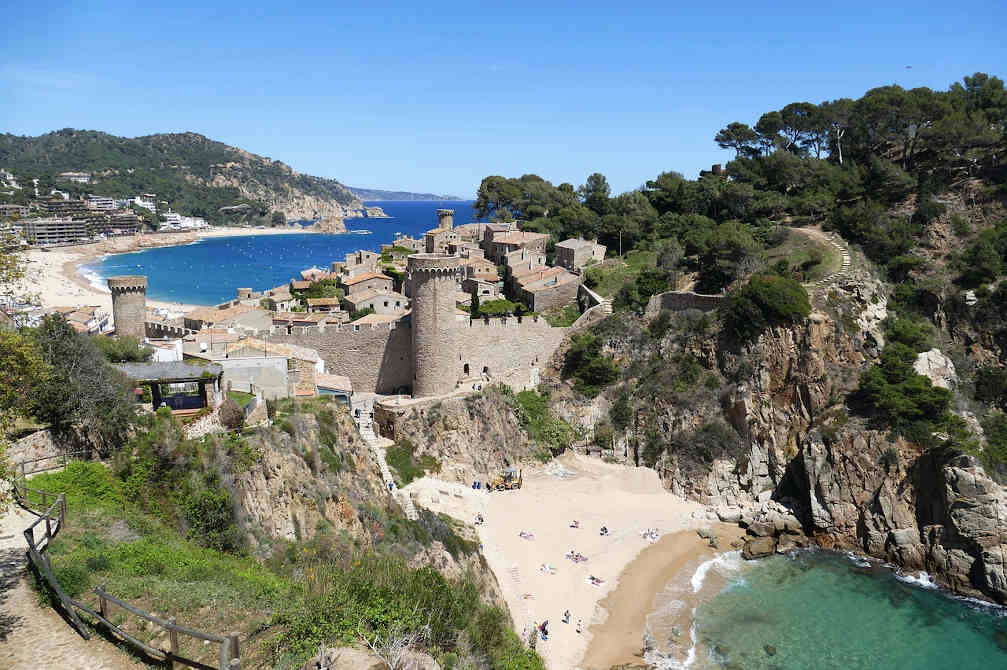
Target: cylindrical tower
(129, 304)
(446, 218)
(435, 344)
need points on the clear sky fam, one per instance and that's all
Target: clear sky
(428, 96)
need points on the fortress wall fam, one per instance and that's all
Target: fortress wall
(510, 349)
(376, 358)
(678, 301)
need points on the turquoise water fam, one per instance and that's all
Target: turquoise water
(820, 610)
(211, 271)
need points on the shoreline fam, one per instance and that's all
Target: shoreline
(536, 580)
(55, 279)
(674, 559)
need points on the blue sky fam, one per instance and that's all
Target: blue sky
(435, 96)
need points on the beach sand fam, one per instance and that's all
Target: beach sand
(54, 278)
(627, 500)
(661, 570)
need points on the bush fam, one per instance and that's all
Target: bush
(532, 409)
(499, 307)
(897, 397)
(231, 415)
(591, 370)
(208, 513)
(767, 300)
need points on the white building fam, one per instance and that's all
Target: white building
(147, 201)
(78, 177)
(100, 202)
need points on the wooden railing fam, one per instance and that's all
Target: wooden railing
(51, 518)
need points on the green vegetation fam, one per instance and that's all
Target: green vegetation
(563, 317)
(402, 459)
(361, 313)
(125, 349)
(500, 307)
(240, 397)
(174, 166)
(532, 409)
(765, 301)
(696, 449)
(590, 369)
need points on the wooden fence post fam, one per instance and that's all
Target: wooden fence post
(225, 656)
(173, 637)
(233, 641)
(101, 602)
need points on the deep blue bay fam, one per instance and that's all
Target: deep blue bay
(211, 271)
(825, 611)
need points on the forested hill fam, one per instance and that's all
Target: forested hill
(380, 194)
(194, 174)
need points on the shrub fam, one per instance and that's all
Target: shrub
(231, 415)
(767, 300)
(208, 513)
(532, 409)
(591, 370)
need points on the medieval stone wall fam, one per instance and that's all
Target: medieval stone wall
(677, 301)
(375, 357)
(509, 349)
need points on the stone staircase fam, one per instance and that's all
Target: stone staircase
(378, 445)
(606, 307)
(843, 273)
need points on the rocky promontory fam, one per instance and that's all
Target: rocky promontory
(329, 226)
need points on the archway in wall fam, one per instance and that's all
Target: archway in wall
(486, 370)
(465, 370)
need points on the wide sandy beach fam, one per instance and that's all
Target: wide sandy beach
(54, 277)
(627, 500)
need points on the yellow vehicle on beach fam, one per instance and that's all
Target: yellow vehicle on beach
(510, 479)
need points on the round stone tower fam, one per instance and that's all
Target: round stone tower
(129, 304)
(446, 218)
(435, 344)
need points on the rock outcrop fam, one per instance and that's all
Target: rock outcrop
(921, 511)
(329, 226)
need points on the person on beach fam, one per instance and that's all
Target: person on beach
(604, 530)
(566, 616)
(579, 625)
(575, 524)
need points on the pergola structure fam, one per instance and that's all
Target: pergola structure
(154, 375)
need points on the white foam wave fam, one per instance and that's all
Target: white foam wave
(656, 659)
(728, 562)
(922, 580)
(858, 561)
(93, 278)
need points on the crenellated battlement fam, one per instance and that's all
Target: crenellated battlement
(127, 284)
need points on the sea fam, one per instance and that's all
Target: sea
(825, 611)
(210, 271)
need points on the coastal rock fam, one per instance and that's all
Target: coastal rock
(375, 213)
(936, 367)
(329, 226)
(758, 547)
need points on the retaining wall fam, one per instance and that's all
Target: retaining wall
(677, 301)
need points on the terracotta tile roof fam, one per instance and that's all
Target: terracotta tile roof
(537, 274)
(378, 318)
(519, 237)
(323, 301)
(575, 243)
(217, 315)
(300, 285)
(364, 277)
(550, 281)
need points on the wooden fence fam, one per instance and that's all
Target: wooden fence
(38, 536)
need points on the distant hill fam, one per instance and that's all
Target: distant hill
(379, 194)
(195, 175)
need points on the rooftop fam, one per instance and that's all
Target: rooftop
(176, 371)
(378, 318)
(216, 314)
(323, 301)
(364, 277)
(518, 237)
(575, 243)
(371, 293)
(334, 382)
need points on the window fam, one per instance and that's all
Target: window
(386, 303)
(465, 370)
(486, 370)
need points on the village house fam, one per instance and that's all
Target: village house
(369, 281)
(90, 319)
(575, 254)
(382, 302)
(357, 263)
(502, 244)
(323, 304)
(549, 288)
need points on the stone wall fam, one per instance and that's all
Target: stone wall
(678, 301)
(375, 358)
(40, 444)
(510, 349)
(160, 329)
(545, 298)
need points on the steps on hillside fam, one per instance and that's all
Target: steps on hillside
(374, 442)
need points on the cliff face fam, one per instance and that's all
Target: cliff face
(921, 511)
(473, 437)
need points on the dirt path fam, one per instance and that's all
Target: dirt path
(32, 636)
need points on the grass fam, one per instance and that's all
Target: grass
(798, 248)
(563, 317)
(608, 277)
(240, 397)
(406, 466)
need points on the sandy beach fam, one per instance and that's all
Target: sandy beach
(627, 500)
(663, 572)
(54, 278)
